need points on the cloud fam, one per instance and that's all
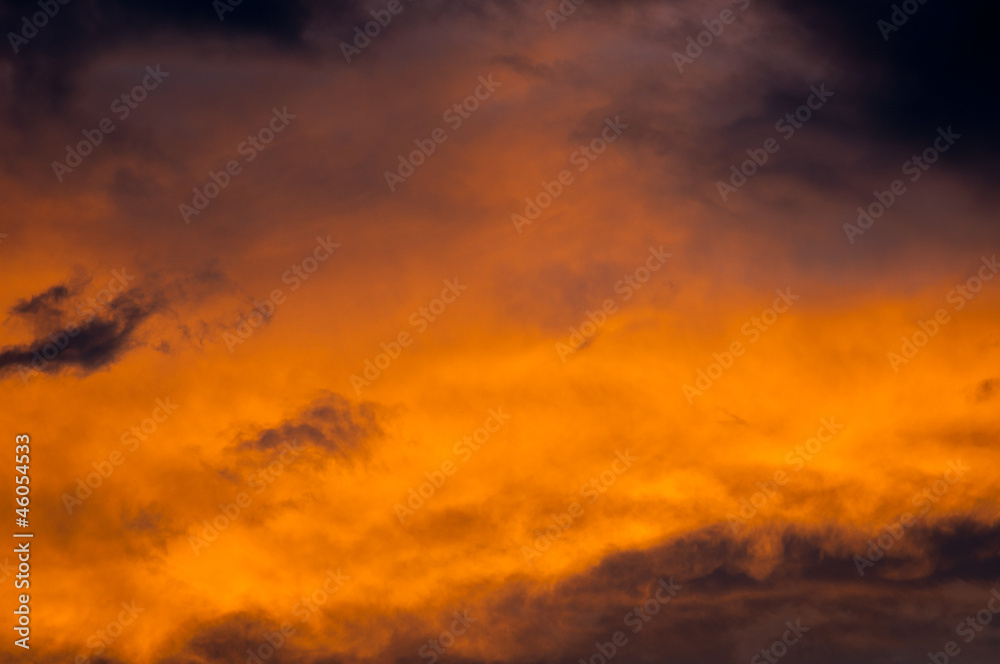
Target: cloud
(722, 608)
(735, 585)
(986, 390)
(84, 30)
(331, 423)
(452, 219)
(87, 346)
(929, 72)
(43, 303)
(45, 310)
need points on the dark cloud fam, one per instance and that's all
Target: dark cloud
(203, 281)
(890, 98)
(84, 30)
(42, 303)
(45, 310)
(937, 69)
(732, 597)
(89, 345)
(331, 423)
(737, 591)
(987, 390)
(224, 640)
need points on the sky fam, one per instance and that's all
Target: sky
(523, 332)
